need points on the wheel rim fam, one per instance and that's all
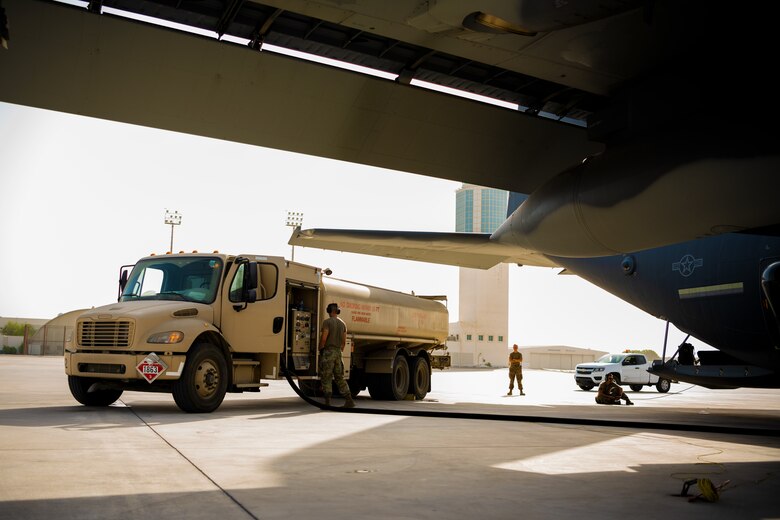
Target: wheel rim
(207, 378)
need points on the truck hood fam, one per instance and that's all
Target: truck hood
(594, 365)
(139, 309)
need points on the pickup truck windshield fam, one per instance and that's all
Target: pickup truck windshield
(611, 358)
(192, 279)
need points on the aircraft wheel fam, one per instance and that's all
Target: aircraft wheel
(79, 388)
(202, 386)
(636, 388)
(587, 388)
(420, 378)
(663, 385)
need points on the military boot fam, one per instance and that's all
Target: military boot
(327, 400)
(349, 403)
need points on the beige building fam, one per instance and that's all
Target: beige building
(558, 357)
(480, 336)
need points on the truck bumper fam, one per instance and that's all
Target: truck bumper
(119, 366)
(588, 380)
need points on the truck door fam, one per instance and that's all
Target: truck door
(255, 326)
(634, 370)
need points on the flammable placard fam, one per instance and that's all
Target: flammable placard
(151, 367)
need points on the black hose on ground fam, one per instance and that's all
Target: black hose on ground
(641, 425)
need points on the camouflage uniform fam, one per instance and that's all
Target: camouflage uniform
(332, 367)
(611, 393)
(515, 371)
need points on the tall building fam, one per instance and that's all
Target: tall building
(479, 337)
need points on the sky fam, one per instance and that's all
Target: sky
(80, 197)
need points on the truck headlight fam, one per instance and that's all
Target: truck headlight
(599, 369)
(172, 336)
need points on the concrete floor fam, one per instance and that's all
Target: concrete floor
(271, 455)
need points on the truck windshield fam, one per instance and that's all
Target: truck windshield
(611, 358)
(192, 279)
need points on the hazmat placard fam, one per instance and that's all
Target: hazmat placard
(151, 367)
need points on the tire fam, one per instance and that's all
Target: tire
(310, 388)
(420, 378)
(202, 386)
(79, 388)
(636, 388)
(587, 388)
(393, 386)
(356, 383)
(663, 385)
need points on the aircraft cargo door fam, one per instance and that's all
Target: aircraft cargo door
(255, 326)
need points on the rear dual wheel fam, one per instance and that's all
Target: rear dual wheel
(420, 380)
(393, 386)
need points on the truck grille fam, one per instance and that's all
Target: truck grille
(105, 333)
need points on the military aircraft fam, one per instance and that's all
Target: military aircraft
(643, 132)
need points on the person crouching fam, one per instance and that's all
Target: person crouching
(611, 393)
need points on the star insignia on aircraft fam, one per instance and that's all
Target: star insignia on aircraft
(687, 265)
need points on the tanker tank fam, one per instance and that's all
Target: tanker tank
(373, 311)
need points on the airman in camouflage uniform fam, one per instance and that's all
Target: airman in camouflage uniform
(332, 342)
(515, 370)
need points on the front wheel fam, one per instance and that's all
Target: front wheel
(202, 386)
(587, 388)
(79, 388)
(663, 385)
(636, 388)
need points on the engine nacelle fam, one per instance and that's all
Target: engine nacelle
(637, 196)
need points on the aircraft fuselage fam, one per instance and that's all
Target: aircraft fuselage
(710, 288)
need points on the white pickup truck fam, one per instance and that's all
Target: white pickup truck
(629, 369)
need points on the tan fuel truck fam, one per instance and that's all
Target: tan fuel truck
(200, 325)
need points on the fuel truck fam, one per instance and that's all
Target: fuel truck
(200, 325)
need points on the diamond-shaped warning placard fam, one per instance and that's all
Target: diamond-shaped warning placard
(151, 367)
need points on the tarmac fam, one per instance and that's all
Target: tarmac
(552, 453)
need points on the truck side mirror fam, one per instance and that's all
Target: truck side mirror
(124, 274)
(250, 282)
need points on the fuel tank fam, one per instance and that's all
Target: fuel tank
(369, 310)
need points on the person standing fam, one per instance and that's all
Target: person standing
(332, 343)
(515, 370)
(611, 393)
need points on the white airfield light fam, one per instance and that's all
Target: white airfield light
(173, 218)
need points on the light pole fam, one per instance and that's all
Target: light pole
(294, 220)
(174, 219)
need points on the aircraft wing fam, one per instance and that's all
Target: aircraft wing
(474, 250)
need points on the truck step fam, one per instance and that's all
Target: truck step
(250, 385)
